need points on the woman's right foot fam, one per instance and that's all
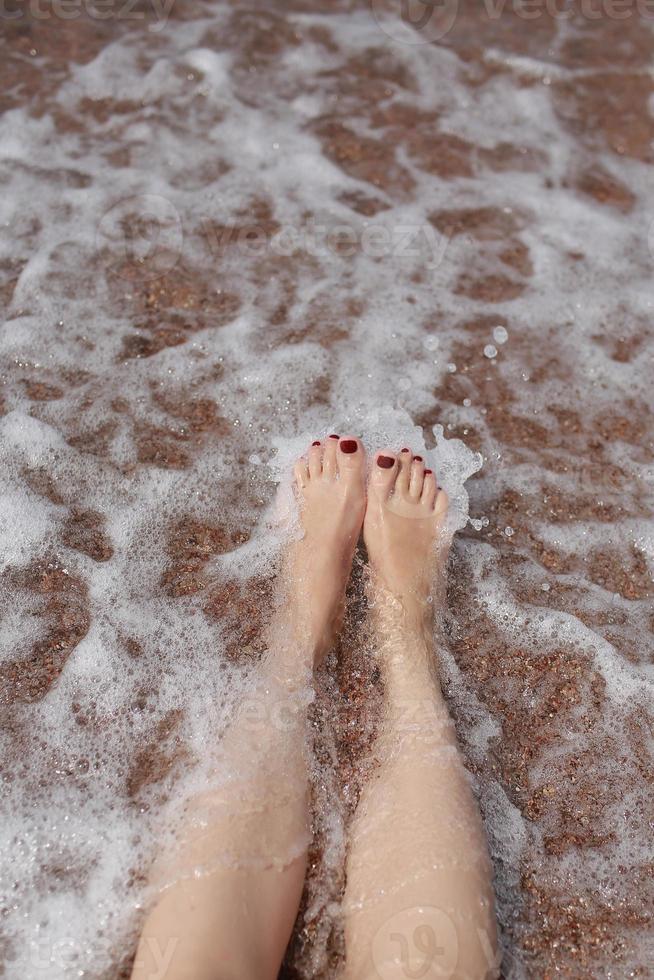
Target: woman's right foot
(330, 486)
(403, 529)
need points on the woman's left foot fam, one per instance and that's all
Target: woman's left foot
(330, 485)
(403, 529)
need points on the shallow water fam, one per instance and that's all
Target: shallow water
(231, 230)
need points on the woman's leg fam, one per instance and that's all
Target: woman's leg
(419, 899)
(235, 881)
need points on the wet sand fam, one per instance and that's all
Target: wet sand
(561, 413)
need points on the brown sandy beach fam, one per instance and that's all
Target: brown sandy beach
(549, 619)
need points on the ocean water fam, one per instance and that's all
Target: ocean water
(225, 231)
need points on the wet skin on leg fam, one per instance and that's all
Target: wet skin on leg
(419, 898)
(234, 922)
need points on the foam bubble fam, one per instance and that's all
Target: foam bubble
(151, 424)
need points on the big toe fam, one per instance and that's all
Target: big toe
(384, 472)
(351, 458)
(441, 503)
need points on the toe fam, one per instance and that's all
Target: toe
(384, 472)
(428, 490)
(404, 461)
(315, 460)
(329, 467)
(442, 502)
(301, 473)
(417, 477)
(350, 458)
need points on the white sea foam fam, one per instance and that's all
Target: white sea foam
(209, 137)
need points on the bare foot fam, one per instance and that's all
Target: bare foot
(330, 485)
(404, 517)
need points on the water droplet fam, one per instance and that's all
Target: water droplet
(500, 334)
(508, 531)
(490, 351)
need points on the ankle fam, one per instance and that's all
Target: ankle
(303, 645)
(406, 664)
(406, 615)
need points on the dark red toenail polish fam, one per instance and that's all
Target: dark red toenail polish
(405, 450)
(385, 462)
(316, 443)
(349, 446)
(334, 437)
(418, 459)
(427, 472)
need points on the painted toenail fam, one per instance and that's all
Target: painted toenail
(334, 437)
(418, 459)
(316, 443)
(428, 472)
(385, 462)
(405, 450)
(349, 446)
